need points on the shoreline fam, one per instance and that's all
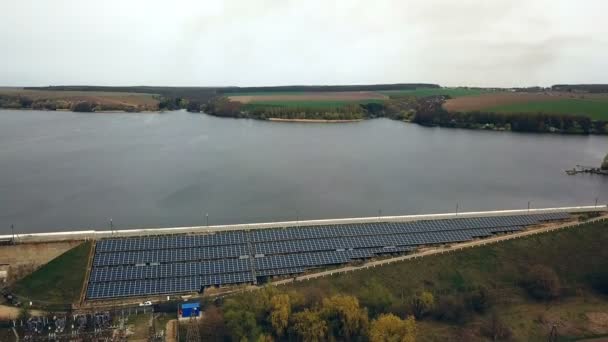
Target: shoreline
(313, 120)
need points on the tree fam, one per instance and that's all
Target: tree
(376, 297)
(345, 316)
(542, 282)
(605, 163)
(390, 328)
(280, 311)
(422, 304)
(242, 324)
(212, 325)
(309, 326)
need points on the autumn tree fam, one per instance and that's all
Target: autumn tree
(347, 319)
(212, 325)
(279, 314)
(422, 303)
(390, 328)
(309, 326)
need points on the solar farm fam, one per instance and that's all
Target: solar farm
(186, 263)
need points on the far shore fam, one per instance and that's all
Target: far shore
(313, 120)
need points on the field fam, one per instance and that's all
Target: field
(593, 105)
(452, 92)
(334, 99)
(146, 101)
(59, 281)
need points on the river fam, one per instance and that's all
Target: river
(70, 171)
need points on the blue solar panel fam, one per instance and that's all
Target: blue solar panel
(141, 266)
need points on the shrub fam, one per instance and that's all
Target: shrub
(84, 106)
(452, 309)
(542, 283)
(495, 329)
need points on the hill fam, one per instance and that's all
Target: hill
(513, 290)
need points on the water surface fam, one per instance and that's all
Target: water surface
(64, 171)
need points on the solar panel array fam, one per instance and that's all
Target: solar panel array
(151, 265)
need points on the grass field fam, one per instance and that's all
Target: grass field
(452, 92)
(145, 101)
(58, 282)
(312, 103)
(595, 109)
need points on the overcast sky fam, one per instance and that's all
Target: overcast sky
(279, 42)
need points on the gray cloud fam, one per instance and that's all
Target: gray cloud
(269, 42)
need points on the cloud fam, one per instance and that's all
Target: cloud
(269, 42)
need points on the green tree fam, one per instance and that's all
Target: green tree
(376, 297)
(390, 328)
(422, 303)
(280, 311)
(309, 326)
(242, 324)
(345, 316)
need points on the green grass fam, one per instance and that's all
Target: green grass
(453, 92)
(313, 103)
(58, 282)
(573, 253)
(595, 109)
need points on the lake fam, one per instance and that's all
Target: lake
(71, 171)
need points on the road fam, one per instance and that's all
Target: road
(97, 234)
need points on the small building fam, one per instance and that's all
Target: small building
(189, 310)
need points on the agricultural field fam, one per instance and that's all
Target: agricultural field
(110, 99)
(594, 106)
(334, 99)
(423, 92)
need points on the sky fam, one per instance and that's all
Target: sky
(500, 43)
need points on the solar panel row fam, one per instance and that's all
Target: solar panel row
(163, 285)
(99, 274)
(309, 232)
(170, 255)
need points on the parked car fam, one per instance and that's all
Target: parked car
(146, 303)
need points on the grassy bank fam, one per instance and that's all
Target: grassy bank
(469, 290)
(58, 282)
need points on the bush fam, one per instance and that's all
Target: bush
(481, 300)
(599, 282)
(85, 107)
(452, 309)
(542, 283)
(495, 329)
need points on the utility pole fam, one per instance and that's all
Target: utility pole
(596, 199)
(207, 219)
(528, 206)
(456, 208)
(13, 232)
(111, 227)
(297, 217)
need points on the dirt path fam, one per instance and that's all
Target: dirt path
(10, 312)
(170, 330)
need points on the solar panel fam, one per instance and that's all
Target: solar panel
(139, 266)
